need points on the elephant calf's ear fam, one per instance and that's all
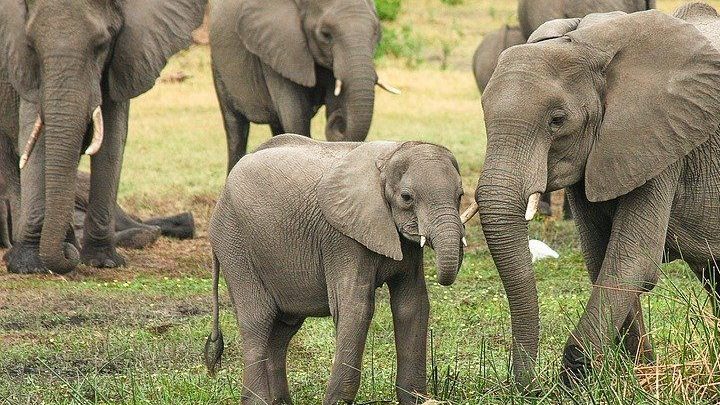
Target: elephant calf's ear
(352, 199)
(152, 31)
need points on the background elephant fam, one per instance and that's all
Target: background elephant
(337, 221)
(76, 64)
(626, 120)
(533, 13)
(487, 53)
(276, 62)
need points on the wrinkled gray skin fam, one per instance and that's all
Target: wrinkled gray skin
(65, 58)
(533, 13)
(487, 53)
(306, 228)
(275, 62)
(626, 120)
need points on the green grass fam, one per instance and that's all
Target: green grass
(135, 335)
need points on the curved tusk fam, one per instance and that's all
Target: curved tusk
(532, 206)
(387, 86)
(98, 132)
(469, 212)
(338, 87)
(464, 241)
(34, 135)
(422, 240)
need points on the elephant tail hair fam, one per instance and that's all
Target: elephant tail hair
(214, 344)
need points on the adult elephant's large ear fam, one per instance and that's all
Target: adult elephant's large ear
(272, 30)
(18, 62)
(661, 98)
(152, 31)
(352, 199)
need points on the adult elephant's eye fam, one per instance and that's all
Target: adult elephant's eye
(406, 197)
(557, 121)
(325, 35)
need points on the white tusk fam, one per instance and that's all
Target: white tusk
(464, 241)
(469, 213)
(387, 87)
(532, 206)
(34, 135)
(422, 240)
(98, 132)
(338, 87)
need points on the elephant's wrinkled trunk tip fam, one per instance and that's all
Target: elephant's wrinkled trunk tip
(532, 206)
(387, 86)
(30, 145)
(98, 132)
(469, 213)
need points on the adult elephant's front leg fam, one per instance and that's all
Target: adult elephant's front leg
(99, 243)
(410, 309)
(634, 250)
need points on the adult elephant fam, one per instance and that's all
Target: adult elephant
(276, 62)
(76, 64)
(533, 13)
(622, 110)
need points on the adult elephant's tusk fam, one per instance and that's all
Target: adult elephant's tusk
(338, 87)
(387, 86)
(464, 241)
(469, 212)
(422, 240)
(532, 206)
(98, 132)
(31, 141)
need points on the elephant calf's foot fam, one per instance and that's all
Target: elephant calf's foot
(24, 258)
(180, 226)
(101, 256)
(137, 238)
(575, 366)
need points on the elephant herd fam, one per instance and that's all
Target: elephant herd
(614, 102)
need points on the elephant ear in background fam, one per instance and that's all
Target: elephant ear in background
(352, 199)
(18, 63)
(662, 97)
(152, 32)
(272, 30)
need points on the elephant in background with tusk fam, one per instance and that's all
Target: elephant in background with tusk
(277, 62)
(306, 228)
(621, 110)
(75, 65)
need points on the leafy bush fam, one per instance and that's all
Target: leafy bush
(388, 10)
(402, 43)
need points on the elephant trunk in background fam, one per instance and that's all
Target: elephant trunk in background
(446, 237)
(66, 116)
(354, 66)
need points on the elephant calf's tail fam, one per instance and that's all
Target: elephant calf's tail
(214, 344)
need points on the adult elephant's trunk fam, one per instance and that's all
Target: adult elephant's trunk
(507, 182)
(66, 117)
(446, 238)
(355, 69)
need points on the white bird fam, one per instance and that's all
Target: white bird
(540, 250)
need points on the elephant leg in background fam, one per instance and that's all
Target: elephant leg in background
(280, 336)
(410, 310)
(131, 233)
(291, 102)
(709, 276)
(98, 248)
(237, 126)
(5, 224)
(24, 256)
(352, 316)
(634, 249)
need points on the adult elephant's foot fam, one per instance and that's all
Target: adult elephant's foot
(24, 258)
(575, 366)
(101, 255)
(180, 226)
(137, 238)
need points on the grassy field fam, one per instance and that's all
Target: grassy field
(135, 335)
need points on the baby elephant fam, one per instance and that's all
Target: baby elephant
(307, 229)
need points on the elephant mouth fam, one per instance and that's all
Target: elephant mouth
(336, 127)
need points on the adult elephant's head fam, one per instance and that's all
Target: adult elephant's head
(70, 56)
(382, 190)
(606, 102)
(300, 38)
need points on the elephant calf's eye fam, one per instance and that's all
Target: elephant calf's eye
(325, 35)
(557, 121)
(406, 197)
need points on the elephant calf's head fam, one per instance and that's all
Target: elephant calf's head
(384, 191)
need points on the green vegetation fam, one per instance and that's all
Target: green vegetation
(135, 335)
(388, 10)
